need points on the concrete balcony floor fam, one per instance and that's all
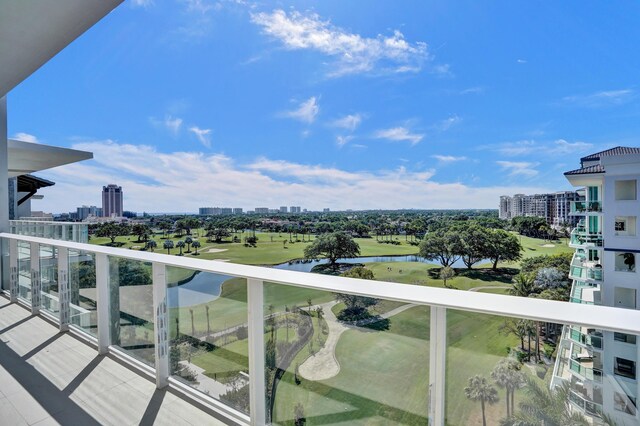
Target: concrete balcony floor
(53, 378)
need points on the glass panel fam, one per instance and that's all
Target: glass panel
(49, 279)
(130, 287)
(333, 359)
(82, 285)
(4, 247)
(208, 334)
(24, 271)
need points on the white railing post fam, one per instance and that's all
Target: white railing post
(161, 327)
(14, 283)
(103, 303)
(257, 391)
(36, 283)
(437, 365)
(64, 292)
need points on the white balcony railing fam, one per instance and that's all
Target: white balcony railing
(149, 321)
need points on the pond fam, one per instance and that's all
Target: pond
(205, 287)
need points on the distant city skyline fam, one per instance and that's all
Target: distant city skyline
(340, 104)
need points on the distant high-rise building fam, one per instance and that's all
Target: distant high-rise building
(262, 210)
(86, 211)
(554, 208)
(283, 209)
(326, 210)
(237, 210)
(112, 201)
(295, 209)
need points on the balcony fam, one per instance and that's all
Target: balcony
(584, 270)
(66, 231)
(580, 238)
(589, 337)
(229, 337)
(588, 294)
(585, 207)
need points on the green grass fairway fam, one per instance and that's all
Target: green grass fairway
(270, 249)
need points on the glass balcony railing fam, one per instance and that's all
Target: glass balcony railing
(588, 372)
(590, 407)
(66, 231)
(583, 207)
(582, 238)
(588, 294)
(586, 336)
(581, 269)
(269, 346)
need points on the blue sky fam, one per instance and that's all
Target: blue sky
(358, 104)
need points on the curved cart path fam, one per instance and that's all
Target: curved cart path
(486, 287)
(324, 364)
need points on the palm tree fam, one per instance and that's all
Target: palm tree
(548, 407)
(151, 245)
(206, 308)
(180, 245)
(168, 245)
(320, 313)
(507, 375)
(196, 245)
(480, 390)
(522, 285)
(188, 241)
(309, 303)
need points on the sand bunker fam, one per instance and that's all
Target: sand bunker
(547, 245)
(215, 250)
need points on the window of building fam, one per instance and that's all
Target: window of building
(625, 225)
(625, 368)
(626, 190)
(625, 297)
(625, 338)
(625, 262)
(624, 403)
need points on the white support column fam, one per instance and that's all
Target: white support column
(14, 285)
(4, 167)
(103, 303)
(74, 233)
(64, 292)
(437, 365)
(64, 233)
(161, 326)
(36, 282)
(257, 391)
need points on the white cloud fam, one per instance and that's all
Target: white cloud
(448, 158)
(158, 182)
(306, 112)
(349, 122)
(512, 149)
(521, 61)
(353, 53)
(142, 3)
(198, 6)
(25, 137)
(519, 168)
(472, 90)
(447, 123)
(343, 140)
(203, 135)
(601, 99)
(561, 146)
(170, 123)
(399, 134)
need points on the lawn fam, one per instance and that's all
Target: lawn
(269, 250)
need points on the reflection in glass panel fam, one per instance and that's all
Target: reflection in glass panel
(208, 334)
(49, 279)
(131, 291)
(82, 285)
(338, 359)
(24, 271)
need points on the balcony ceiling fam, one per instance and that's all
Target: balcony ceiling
(26, 157)
(34, 31)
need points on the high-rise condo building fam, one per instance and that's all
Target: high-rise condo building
(112, 201)
(601, 366)
(554, 208)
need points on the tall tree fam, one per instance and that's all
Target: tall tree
(168, 245)
(507, 375)
(333, 246)
(503, 246)
(180, 244)
(479, 389)
(196, 245)
(443, 246)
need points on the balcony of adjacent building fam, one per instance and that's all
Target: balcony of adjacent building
(582, 269)
(585, 293)
(586, 396)
(591, 338)
(204, 332)
(582, 208)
